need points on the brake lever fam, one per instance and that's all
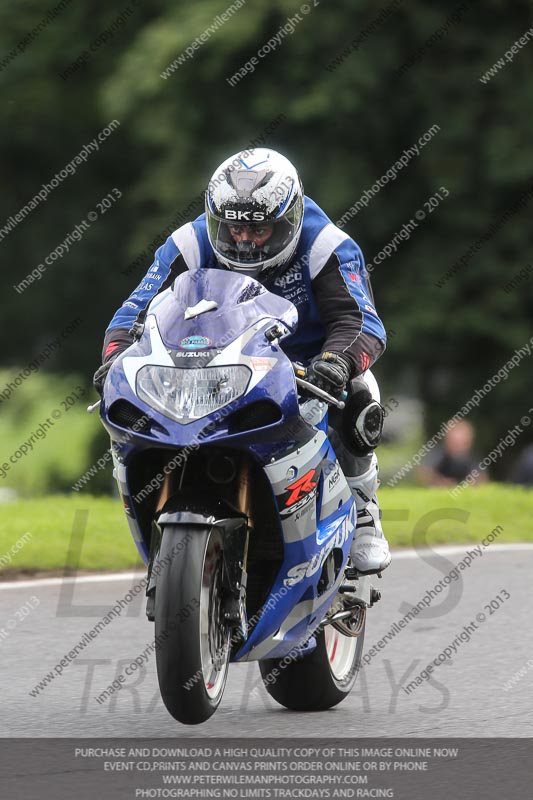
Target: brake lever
(312, 389)
(93, 407)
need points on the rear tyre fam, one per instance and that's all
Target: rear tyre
(192, 641)
(319, 680)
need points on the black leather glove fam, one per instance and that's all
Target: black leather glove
(116, 341)
(100, 375)
(330, 372)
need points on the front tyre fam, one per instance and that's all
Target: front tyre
(319, 680)
(192, 641)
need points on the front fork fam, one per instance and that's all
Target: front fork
(236, 555)
(235, 532)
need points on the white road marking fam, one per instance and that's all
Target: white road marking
(106, 577)
(398, 555)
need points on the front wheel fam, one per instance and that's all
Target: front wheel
(319, 680)
(192, 641)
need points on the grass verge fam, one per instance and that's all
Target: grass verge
(49, 540)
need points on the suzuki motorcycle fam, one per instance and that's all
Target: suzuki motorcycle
(235, 500)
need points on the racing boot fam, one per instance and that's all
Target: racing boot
(369, 552)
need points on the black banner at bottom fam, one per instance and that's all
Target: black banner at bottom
(149, 769)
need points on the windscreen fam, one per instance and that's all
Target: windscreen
(240, 302)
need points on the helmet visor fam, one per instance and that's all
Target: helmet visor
(248, 245)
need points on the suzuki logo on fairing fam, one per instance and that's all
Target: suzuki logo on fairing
(307, 568)
(246, 216)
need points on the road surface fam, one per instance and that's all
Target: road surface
(467, 695)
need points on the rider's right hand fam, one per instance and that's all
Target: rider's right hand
(101, 374)
(116, 341)
(113, 350)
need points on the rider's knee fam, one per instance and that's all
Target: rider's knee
(360, 424)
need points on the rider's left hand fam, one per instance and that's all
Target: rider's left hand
(330, 372)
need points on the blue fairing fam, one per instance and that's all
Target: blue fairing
(242, 303)
(340, 525)
(178, 334)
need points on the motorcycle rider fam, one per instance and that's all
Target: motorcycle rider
(259, 223)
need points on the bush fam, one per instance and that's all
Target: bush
(46, 416)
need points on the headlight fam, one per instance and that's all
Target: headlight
(189, 394)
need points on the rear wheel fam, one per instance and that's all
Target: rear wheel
(192, 641)
(321, 679)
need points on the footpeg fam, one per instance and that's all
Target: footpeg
(360, 593)
(351, 573)
(375, 596)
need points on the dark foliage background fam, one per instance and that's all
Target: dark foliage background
(344, 125)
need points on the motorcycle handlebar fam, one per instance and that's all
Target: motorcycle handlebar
(312, 389)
